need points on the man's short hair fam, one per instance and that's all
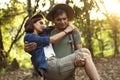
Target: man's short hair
(65, 7)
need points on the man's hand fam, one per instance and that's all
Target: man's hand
(79, 62)
(28, 47)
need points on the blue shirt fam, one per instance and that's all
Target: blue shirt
(38, 56)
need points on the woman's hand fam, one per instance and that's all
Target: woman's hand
(75, 28)
(70, 28)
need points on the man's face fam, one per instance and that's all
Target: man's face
(61, 21)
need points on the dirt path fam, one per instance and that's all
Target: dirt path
(108, 68)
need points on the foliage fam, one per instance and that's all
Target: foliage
(102, 35)
(11, 20)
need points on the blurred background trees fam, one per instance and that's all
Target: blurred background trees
(99, 33)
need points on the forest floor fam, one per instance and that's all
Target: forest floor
(108, 68)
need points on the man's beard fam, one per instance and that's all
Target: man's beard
(61, 28)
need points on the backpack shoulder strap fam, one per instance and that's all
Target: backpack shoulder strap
(72, 41)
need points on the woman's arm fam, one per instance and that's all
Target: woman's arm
(41, 40)
(61, 34)
(31, 46)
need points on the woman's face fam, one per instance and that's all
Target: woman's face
(39, 25)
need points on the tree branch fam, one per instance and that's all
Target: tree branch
(16, 37)
(36, 6)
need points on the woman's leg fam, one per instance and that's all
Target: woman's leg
(42, 72)
(90, 66)
(67, 63)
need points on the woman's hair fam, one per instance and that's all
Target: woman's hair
(29, 23)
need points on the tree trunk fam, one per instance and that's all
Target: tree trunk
(29, 8)
(2, 56)
(115, 38)
(89, 33)
(88, 27)
(116, 51)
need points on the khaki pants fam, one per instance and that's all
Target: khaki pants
(62, 68)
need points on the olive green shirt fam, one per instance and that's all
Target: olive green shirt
(63, 47)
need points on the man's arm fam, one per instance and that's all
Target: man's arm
(28, 47)
(79, 61)
(79, 46)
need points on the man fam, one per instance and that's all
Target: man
(61, 15)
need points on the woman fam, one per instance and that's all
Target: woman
(35, 32)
